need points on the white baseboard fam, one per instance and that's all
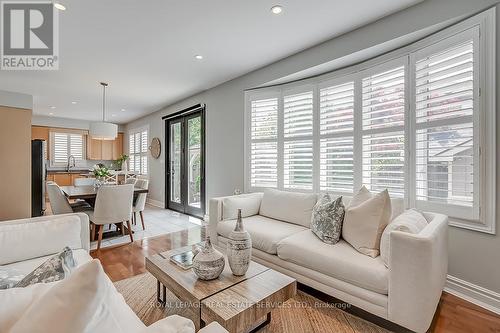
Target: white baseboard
(475, 294)
(155, 203)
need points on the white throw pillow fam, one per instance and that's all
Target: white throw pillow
(69, 306)
(365, 220)
(248, 203)
(411, 221)
(62, 231)
(290, 207)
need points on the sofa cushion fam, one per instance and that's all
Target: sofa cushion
(265, 232)
(25, 267)
(365, 221)
(340, 261)
(290, 207)
(327, 219)
(62, 231)
(411, 221)
(248, 203)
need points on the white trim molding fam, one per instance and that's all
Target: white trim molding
(485, 298)
(155, 203)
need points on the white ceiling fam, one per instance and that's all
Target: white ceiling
(145, 49)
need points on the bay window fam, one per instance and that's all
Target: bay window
(419, 121)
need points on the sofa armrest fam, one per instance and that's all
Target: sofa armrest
(418, 267)
(215, 212)
(213, 327)
(84, 221)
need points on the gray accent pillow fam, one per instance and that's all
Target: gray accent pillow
(327, 219)
(9, 277)
(55, 268)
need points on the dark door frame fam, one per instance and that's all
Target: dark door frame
(181, 116)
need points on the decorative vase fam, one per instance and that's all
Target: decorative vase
(208, 263)
(239, 248)
(124, 166)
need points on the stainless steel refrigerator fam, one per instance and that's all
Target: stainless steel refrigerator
(38, 176)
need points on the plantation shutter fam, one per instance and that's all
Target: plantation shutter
(264, 146)
(66, 144)
(383, 112)
(298, 141)
(138, 152)
(445, 148)
(336, 138)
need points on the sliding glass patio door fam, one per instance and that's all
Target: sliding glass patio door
(185, 163)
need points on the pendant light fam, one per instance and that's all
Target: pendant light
(103, 130)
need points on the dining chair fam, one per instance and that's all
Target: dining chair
(84, 182)
(113, 205)
(140, 202)
(59, 204)
(130, 181)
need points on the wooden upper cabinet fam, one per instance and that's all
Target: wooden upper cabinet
(94, 149)
(41, 133)
(118, 146)
(104, 149)
(107, 150)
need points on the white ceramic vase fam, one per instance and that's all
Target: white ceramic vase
(208, 263)
(239, 248)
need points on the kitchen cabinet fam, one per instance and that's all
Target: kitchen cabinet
(63, 179)
(105, 150)
(118, 146)
(41, 133)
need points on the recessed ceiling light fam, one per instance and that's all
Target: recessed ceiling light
(51, 113)
(73, 102)
(59, 6)
(52, 107)
(123, 110)
(276, 9)
(198, 57)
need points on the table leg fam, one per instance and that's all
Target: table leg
(161, 293)
(263, 324)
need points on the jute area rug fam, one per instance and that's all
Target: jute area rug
(303, 313)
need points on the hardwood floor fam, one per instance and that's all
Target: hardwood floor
(454, 315)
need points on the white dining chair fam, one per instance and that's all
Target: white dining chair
(113, 205)
(130, 181)
(140, 202)
(84, 182)
(59, 204)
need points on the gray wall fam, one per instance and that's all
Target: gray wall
(473, 255)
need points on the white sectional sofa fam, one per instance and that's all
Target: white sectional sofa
(27, 243)
(406, 294)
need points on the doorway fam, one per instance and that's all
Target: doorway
(185, 161)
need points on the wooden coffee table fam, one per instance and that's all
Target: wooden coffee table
(239, 303)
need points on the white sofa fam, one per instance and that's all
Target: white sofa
(406, 294)
(27, 243)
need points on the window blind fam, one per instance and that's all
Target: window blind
(298, 153)
(138, 152)
(445, 145)
(336, 138)
(65, 145)
(264, 146)
(383, 100)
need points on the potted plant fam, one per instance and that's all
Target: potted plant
(100, 172)
(122, 162)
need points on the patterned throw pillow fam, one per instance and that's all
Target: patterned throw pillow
(327, 219)
(9, 277)
(55, 268)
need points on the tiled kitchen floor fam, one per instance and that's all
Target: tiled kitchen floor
(158, 221)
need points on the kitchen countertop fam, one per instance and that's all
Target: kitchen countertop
(71, 171)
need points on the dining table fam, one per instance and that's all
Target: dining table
(89, 194)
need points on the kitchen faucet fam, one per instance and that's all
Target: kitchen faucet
(68, 167)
